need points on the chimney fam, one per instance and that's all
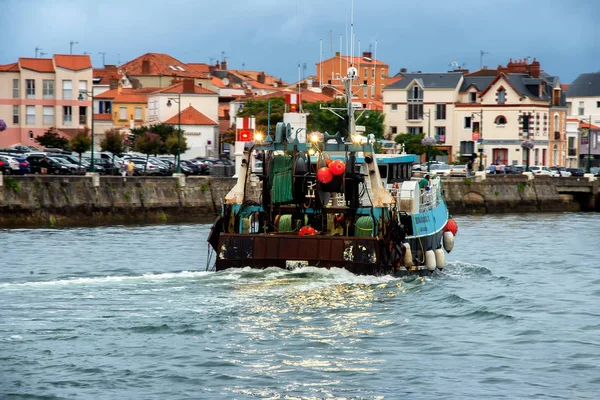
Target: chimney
(534, 69)
(188, 86)
(113, 84)
(337, 53)
(403, 70)
(367, 54)
(261, 78)
(223, 65)
(328, 91)
(110, 67)
(145, 67)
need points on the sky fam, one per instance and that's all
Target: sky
(278, 36)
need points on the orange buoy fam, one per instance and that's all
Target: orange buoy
(337, 167)
(451, 226)
(324, 175)
(328, 161)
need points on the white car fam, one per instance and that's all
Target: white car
(540, 170)
(458, 170)
(560, 172)
(439, 169)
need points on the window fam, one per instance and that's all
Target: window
(394, 106)
(415, 94)
(415, 130)
(366, 73)
(394, 130)
(104, 107)
(467, 147)
(500, 120)
(83, 89)
(440, 134)
(48, 88)
(372, 72)
(15, 114)
(525, 122)
(82, 115)
(473, 97)
(48, 115)
(67, 115)
(123, 113)
(598, 104)
(555, 155)
(467, 124)
(581, 108)
(555, 122)
(30, 88)
(500, 156)
(30, 135)
(415, 111)
(536, 158)
(15, 88)
(67, 90)
(501, 96)
(440, 111)
(572, 149)
(138, 113)
(30, 111)
(383, 74)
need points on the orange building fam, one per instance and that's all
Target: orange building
(371, 72)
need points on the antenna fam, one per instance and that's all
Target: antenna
(222, 56)
(118, 58)
(37, 49)
(320, 72)
(71, 46)
(374, 64)
(481, 54)
(103, 54)
(42, 53)
(304, 70)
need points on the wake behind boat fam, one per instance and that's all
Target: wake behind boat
(331, 201)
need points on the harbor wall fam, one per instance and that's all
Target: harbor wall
(80, 200)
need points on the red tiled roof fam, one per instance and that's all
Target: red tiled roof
(217, 82)
(564, 86)
(37, 64)
(106, 74)
(178, 88)
(109, 94)
(130, 96)
(200, 67)
(585, 125)
(253, 76)
(14, 67)
(258, 85)
(102, 117)
(222, 109)
(190, 116)
(161, 65)
(73, 62)
(392, 80)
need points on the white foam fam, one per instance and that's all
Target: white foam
(112, 279)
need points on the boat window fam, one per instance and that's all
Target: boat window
(383, 171)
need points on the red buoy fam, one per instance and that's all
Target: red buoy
(324, 175)
(451, 226)
(337, 167)
(307, 231)
(328, 161)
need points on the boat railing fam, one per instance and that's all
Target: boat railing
(431, 198)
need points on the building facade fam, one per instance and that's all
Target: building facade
(39, 93)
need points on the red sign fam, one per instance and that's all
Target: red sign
(244, 135)
(475, 136)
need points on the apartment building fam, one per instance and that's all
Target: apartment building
(39, 93)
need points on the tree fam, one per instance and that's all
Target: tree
(172, 145)
(412, 144)
(113, 142)
(162, 130)
(148, 143)
(52, 139)
(81, 142)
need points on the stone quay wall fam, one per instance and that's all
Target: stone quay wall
(55, 201)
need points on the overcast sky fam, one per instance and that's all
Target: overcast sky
(278, 35)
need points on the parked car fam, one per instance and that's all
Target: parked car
(595, 171)
(195, 168)
(514, 169)
(560, 172)
(576, 171)
(439, 169)
(84, 163)
(5, 166)
(540, 170)
(74, 169)
(13, 167)
(54, 167)
(458, 170)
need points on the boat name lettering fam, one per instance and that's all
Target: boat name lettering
(422, 220)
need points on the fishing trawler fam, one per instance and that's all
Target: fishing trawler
(330, 201)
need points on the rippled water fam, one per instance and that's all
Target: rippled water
(128, 312)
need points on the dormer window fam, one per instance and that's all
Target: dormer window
(415, 103)
(501, 96)
(473, 97)
(415, 94)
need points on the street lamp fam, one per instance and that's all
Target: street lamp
(169, 103)
(480, 139)
(589, 144)
(80, 98)
(428, 115)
